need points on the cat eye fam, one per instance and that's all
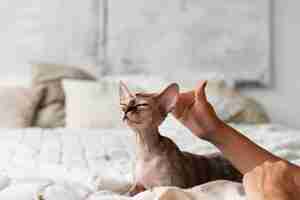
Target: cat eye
(136, 108)
(142, 105)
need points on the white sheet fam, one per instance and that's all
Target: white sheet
(65, 164)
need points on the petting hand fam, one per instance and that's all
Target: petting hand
(273, 181)
(196, 113)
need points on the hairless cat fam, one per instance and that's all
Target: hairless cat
(159, 160)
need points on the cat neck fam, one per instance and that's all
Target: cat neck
(148, 140)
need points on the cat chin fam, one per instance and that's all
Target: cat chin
(131, 122)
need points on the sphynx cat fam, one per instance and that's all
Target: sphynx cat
(159, 160)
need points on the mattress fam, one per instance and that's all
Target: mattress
(77, 164)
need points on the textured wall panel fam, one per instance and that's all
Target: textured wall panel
(184, 38)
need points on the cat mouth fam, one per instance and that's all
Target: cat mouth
(126, 119)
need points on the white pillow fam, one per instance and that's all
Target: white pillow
(93, 104)
(225, 99)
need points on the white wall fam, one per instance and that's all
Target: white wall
(50, 31)
(282, 101)
(283, 98)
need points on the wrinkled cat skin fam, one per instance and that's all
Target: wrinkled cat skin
(159, 161)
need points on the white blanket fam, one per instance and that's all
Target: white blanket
(64, 164)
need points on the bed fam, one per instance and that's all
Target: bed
(97, 164)
(63, 139)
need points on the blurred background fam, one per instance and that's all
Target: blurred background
(250, 44)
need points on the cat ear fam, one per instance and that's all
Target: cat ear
(168, 97)
(124, 91)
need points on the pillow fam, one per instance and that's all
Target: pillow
(51, 112)
(86, 101)
(18, 106)
(93, 104)
(51, 116)
(233, 107)
(252, 113)
(226, 101)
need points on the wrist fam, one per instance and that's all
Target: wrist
(214, 132)
(221, 135)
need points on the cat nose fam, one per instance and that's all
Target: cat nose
(128, 110)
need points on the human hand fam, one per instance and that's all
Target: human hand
(273, 181)
(196, 113)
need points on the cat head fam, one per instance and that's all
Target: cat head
(144, 110)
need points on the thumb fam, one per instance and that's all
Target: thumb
(183, 102)
(200, 91)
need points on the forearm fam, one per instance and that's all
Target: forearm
(241, 151)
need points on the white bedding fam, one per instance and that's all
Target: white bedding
(65, 164)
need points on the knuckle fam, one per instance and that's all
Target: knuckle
(257, 169)
(283, 164)
(268, 188)
(267, 163)
(253, 173)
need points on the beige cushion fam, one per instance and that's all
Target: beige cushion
(18, 106)
(54, 92)
(231, 106)
(43, 72)
(252, 113)
(51, 116)
(93, 104)
(51, 113)
(226, 101)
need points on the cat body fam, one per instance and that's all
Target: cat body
(159, 160)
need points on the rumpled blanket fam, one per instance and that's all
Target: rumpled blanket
(66, 164)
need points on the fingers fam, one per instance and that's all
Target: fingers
(269, 179)
(254, 182)
(267, 172)
(251, 184)
(186, 99)
(200, 91)
(183, 102)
